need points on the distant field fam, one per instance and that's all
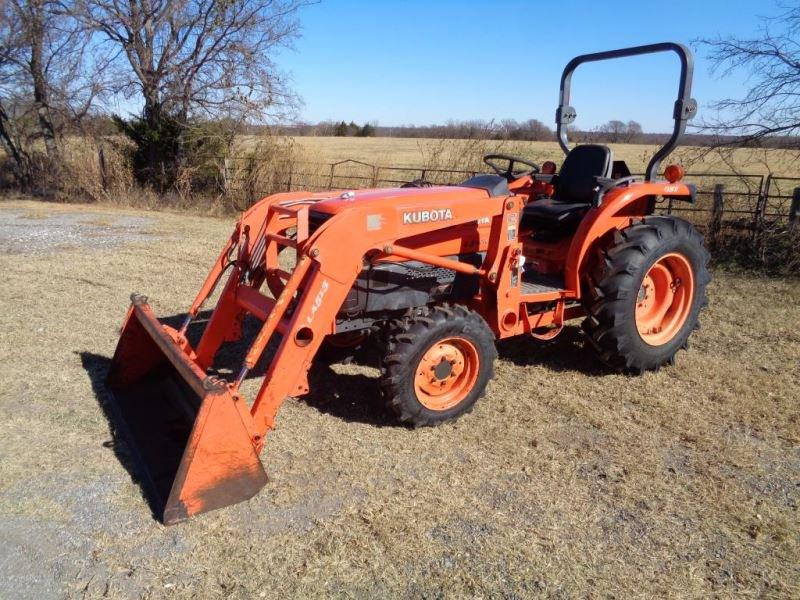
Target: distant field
(415, 152)
(263, 165)
(419, 152)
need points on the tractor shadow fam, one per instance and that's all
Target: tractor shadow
(347, 392)
(350, 396)
(569, 352)
(342, 391)
(97, 367)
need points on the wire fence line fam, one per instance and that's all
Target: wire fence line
(740, 201)
(753, 219)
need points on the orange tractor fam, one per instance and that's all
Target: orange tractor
(433, 274)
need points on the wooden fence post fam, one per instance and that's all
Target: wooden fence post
(715, 227)
(251, 183)
(101, 157)
(761, 207)
(330, 179)
(289, 182)
(226, 175)
(794, 210)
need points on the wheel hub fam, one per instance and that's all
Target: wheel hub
(446, 373)
(443, 369)
(664, 300)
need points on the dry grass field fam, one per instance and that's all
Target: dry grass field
(410, 152)
(566, 481)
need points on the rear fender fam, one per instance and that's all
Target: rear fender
(620, 207)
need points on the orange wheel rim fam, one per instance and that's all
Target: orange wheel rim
(446, 373)
(665, 299)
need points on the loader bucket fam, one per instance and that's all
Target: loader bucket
(187, 438)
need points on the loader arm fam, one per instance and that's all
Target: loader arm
(208, 427)
(327, 269)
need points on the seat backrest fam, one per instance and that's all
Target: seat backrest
(575, 181)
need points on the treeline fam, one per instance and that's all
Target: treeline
(612, 132)
(350, 129)
(199, 74)
(531, 130)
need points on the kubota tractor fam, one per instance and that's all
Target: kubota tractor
(434, 274)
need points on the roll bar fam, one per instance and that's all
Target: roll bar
(685, 105)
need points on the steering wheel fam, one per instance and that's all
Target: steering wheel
(509, 172)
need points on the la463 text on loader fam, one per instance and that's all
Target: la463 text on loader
(432, 275)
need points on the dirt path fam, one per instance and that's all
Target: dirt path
(566, 480)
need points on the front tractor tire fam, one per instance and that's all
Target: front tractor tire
(437, 365)
(646, 291)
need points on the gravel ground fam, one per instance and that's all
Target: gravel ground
(565, 481)
(37, 232)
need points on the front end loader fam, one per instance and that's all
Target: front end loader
(432, 276)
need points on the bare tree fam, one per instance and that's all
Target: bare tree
(509, 129)
(538, 131)
(771, 106)
(532, 129)
(194, 60)
(614, 131)
(46, 85)
(633, 131)
(12, 138)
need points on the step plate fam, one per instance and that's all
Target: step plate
(534, 283)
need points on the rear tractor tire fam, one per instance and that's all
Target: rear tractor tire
(646, 291)
(437, 365)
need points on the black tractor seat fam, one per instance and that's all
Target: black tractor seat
(494, 184)
(574, 191)
(553, 214)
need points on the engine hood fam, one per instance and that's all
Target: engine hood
(437, 194)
